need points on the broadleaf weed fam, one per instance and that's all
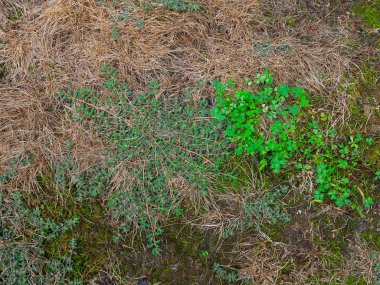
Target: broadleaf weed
(274, 127)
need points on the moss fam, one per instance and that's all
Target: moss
(355, 106)
(372, 237)
(181, 245)
(355, 280)
(59, 246)
(188, 242)
(332, 239)
(45, 181)
(93, 236)
(93, 233)
(332, 252)
(163, 274)
(238, 175)
(369, 11)
(182, 260)
(287, 269)
(362, 90)
(369, 78)
(372, 156)
(275, 232)
(235, 177)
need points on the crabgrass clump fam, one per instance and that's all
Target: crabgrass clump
(165, 145)
(273, 127)
(23, 233)
(4, 67)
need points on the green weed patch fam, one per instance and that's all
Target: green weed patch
(23, 234)
(164, 143)
(275, 128)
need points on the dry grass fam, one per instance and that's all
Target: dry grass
(60, 43)
(306, 262)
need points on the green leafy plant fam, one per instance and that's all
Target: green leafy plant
(334, 166)
(12, 167)
(229, 275)
(162, 143)
(16, 15)
(369, 11)
(115, 33)
(259, 211)
(180, 5)
(23, 234)
(245, 113)
(126, 12)
(204, 254)
(375, 260)
(222, 274)
(272, 126)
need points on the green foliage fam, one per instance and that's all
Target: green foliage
(337, 168)
(16, 15)
(23, 233)
(204, 254)
(126, 12)
(245, 113)
(4, 67)
(362, 90)
(115, 33)
(259, 211)
(221, 273)
(376, 268)
(355, 280)
(268, 48)
(67, 167)
(13, 165)
(273, 127)
(369, 12)
(159, 141)
(180, 5)
(230, 275)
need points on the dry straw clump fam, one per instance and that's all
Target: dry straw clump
(58, 43)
